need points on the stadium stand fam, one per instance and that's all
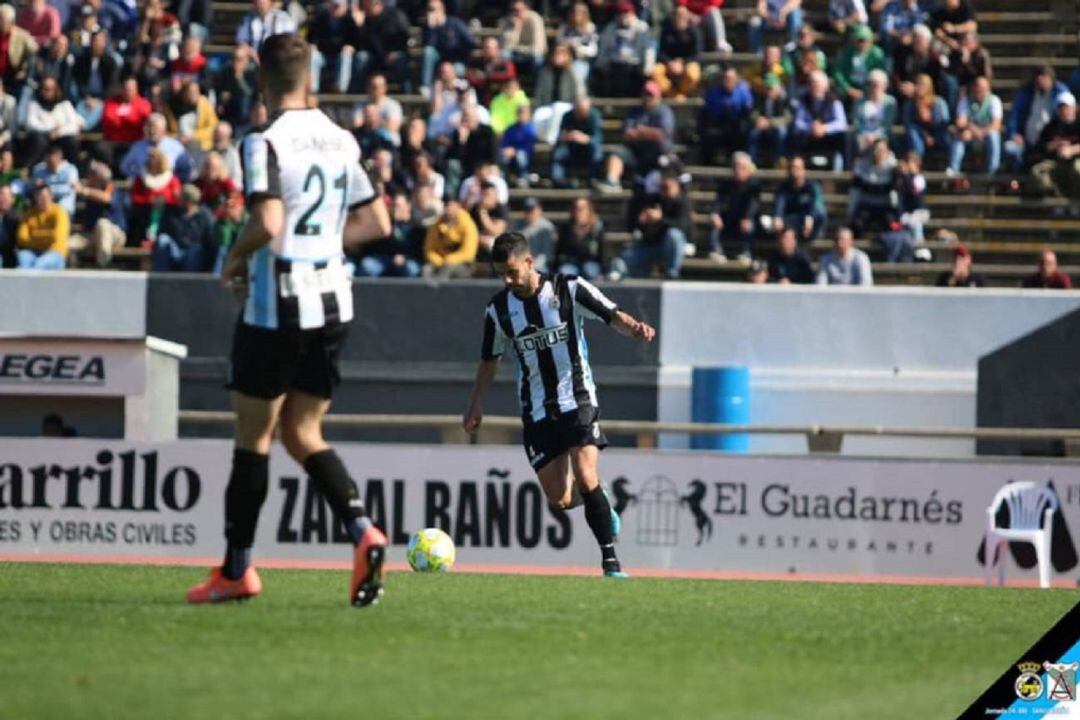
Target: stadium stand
(86, 78)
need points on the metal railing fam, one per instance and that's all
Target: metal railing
(819, 438)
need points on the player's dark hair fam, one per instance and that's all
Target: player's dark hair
(509, 245)
(284, 63)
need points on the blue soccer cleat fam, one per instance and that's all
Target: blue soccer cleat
(616, 521)
(613, 569)
(613, 573)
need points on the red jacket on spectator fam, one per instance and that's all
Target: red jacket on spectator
(700, 7)
(187, 69)
(43, 26)
(141, 194)
(215, 192)
(123, 122)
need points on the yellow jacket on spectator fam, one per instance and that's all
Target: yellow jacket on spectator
(206, 120)
(43, 230)
(452, 244)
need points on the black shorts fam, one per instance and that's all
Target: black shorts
(268, 363)
(548, 439)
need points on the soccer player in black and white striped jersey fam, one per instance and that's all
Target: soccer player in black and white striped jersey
(308, 197)
(541, 318)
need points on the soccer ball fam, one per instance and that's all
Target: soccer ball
(431, 550)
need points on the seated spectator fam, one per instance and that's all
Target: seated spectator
(446, 39)
(235, 88)
(970, 61)
(675, 204)
(873, 199)
(399, 254)
(385, 175)
(648, 132)
(102, 213)
(772, 63)
(8, 121)
(96, 76)
(473, 144)
(415, 141)
(926, 119)
(334, 36)
(505, 104)
(898, 22)
(426, 207)
(874, 114)
(183, 241)
(191, 66)
(1032, 108)
(757, 272)
(625, 56)
(774, 15)
(451, 243)
(488, 72)
(769, 123)
(1057, 153)
(710, 23)
(580, 250)
(1048, 276)
(134, 162)
(845, 14)
(125, 114)
(191, 117)
(845, 264)
(960, 275)
(540, 232)
(819, 129)
(801, 59)
(389, 109)
(60, 175)
(789, 265)
(800, 203)
(155, 192)
(370, 134)
(9, 228)
(579, 34)
(12, 176)
(41, 20)
(516, 148)
(679, 71)
(491, 216)
(423, 175)
(262, 22)
(977, 126)
(487, 172)
(557, 87)
(951, 20)
(655, 243)
(227, 226)
(911, 187)
(856, 60)
(49, 119)
(230, 155)
(724, 120)
(21, 49)
(42, 237)
(524, 37)
(734, 217)
(918, 58)
(578, 152)
(215, 185)
(56, 60)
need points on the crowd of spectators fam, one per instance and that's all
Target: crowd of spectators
(118, 131)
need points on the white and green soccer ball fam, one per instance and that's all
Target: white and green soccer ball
(431, 550)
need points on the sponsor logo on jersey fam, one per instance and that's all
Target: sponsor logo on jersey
(533, 339)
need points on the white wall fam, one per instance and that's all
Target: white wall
(98, 304)
(846, 356)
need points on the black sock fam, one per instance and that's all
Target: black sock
(598, 515)
(244, 498)
(333, 481)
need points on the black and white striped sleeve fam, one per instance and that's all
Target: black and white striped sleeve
(262, 176)
(494, 339)
(590, 302)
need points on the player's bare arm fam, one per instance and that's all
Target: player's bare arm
(625, 324)
(485, 375)
(366, 224)
(264, 223)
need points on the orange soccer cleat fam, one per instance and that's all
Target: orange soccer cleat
(367, 578)
(220, 588)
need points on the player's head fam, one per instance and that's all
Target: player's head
(513, 262)
(284, 64)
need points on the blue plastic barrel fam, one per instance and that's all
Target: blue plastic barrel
(721, 395)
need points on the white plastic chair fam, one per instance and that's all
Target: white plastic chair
(1031, 512)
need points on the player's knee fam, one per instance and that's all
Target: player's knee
(301, 441)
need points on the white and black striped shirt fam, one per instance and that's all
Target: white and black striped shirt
(546, 332)
(298, 279)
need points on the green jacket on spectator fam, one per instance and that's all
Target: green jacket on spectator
(852, 67)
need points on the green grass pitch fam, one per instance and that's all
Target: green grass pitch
(83, 641)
